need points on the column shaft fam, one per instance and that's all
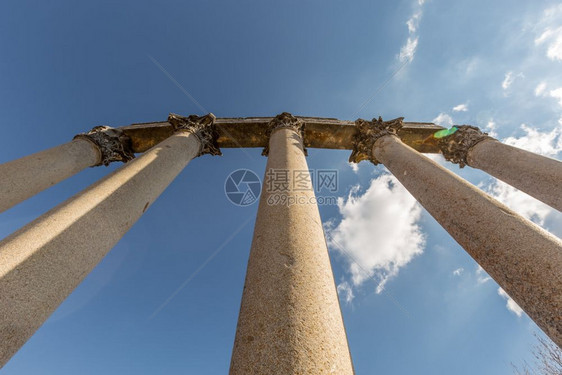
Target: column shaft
(525, 260)
(290, 320)
(23, 178)
(536, 175)
(44, 261)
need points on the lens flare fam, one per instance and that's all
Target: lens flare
(445, 132)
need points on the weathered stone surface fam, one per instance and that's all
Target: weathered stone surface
(455, 147)
(113, 144)
(536, 175)
(284, 121)
(44, 261)
(366, 135)
(22, 178)
(203, 127)
(524, 259)
(325, 133)
(290, 320)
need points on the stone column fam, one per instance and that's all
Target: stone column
(534, 174)
(290, 320)
(44, 261)
(525, 260)
(23, 178)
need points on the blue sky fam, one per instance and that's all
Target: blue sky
(418, 303)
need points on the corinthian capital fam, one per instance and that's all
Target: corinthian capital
(455, 146)
(367, 134)
(203, 127)
(284, 120)
(113, 144)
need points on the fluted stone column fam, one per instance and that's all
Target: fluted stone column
(525, 260)
(23, 178)
(44, 261)
(290, 320)
(536, 175)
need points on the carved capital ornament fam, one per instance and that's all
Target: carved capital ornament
(113, 144)
(455, 146)
(367, 134)
(203, 127)
(284, 120)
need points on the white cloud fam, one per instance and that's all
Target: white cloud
(481, 275)
(354, 167)
(547, 34)
(511, 305)
(545, 143)
(413, 22)
(557, 94)
(458, 271)
(553, 38)
(460, 108)
(438, 158)
(553, 11)
(551, 33)
(409, 49)
(491, 128)
(443, 119)
(469, 66)
(379, 231)
(345, 291)
(539, 90)
(510, 78)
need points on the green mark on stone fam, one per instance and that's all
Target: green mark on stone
(445, 132)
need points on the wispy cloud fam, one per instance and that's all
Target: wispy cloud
(509, 78)
(481, 275)
(553, 38)
(354, 167)
(540, 89)
(443, 119)
(414, 21)
(511, 305)
(557, 94)
(458, 271)
(408, 50)
(491, 128)
(551, 33)
(345, 291)
(460, 108)
(380, 230)
(548, 143)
